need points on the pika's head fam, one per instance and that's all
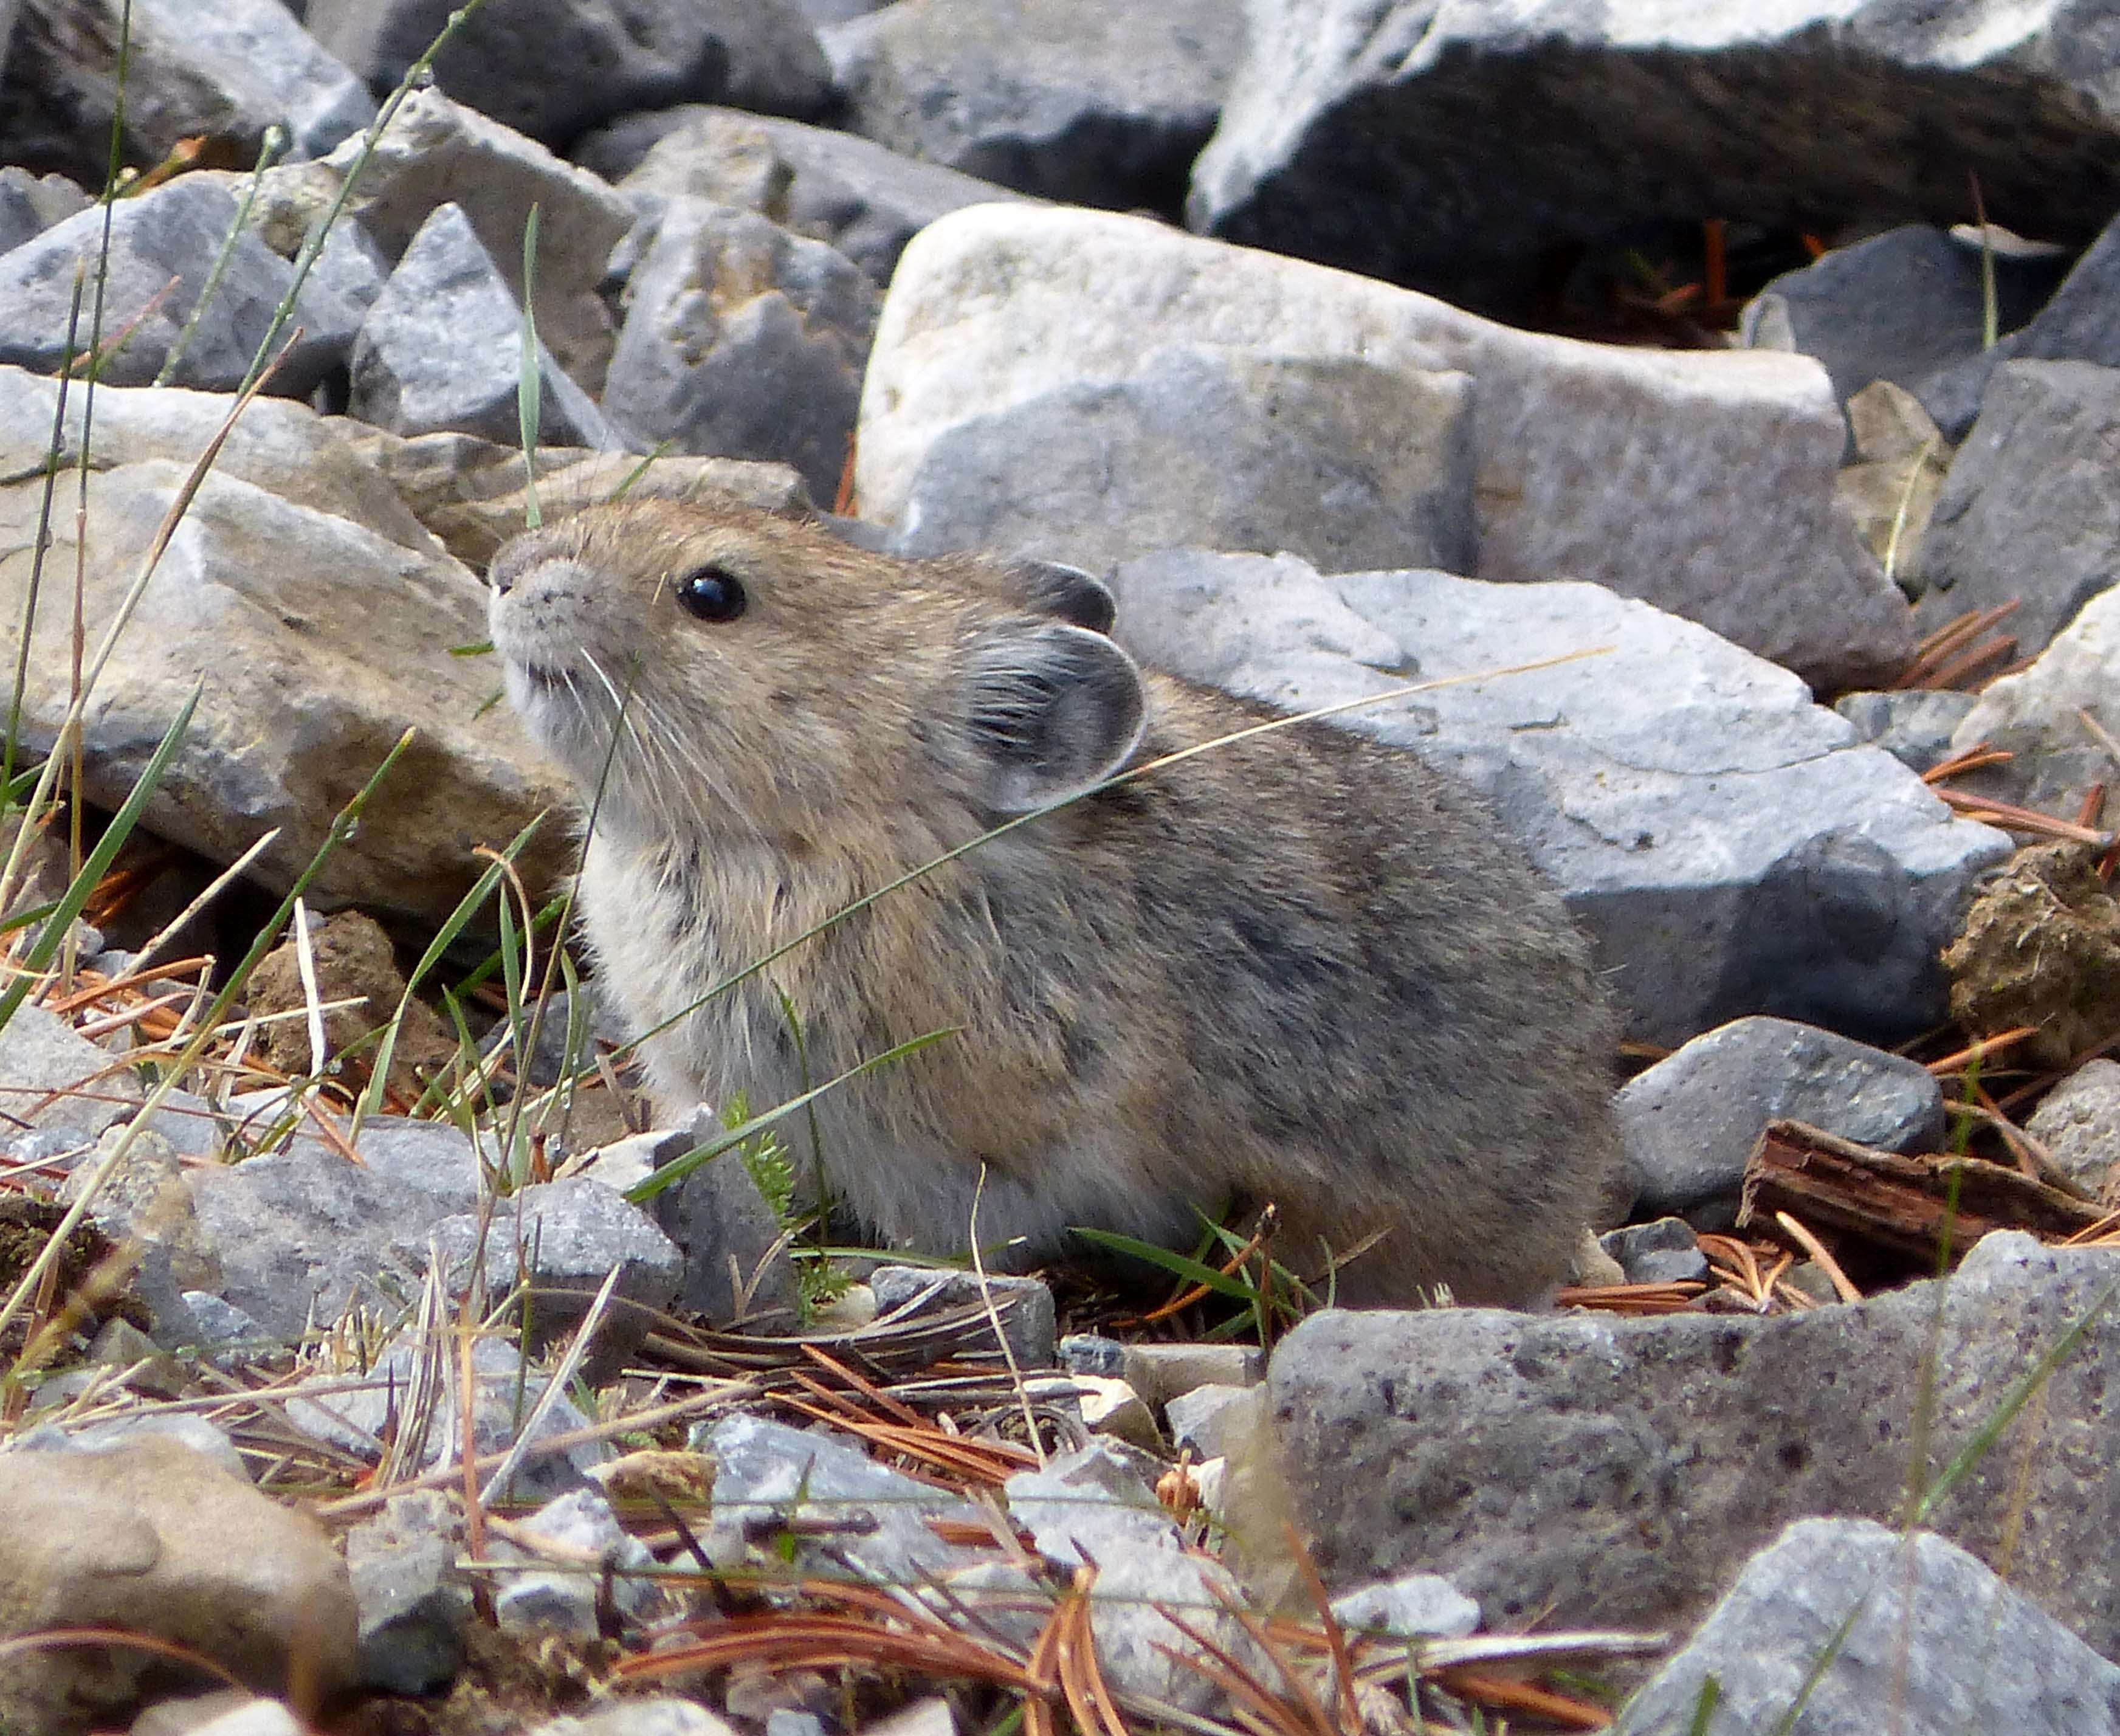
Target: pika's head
(711, 668)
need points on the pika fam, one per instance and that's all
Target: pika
(1302, 968)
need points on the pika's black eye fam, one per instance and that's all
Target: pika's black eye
(711, 593)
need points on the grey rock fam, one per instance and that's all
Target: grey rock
(2076, 324)
(67, 1092)
(996, 305)
(834, 187)
(1095, 102)
(1162, 1372)
(31, 204)
(1090, 1505)
(1663, 1251)
(441, 349)
(745, 341)
(581, 1523)
(2078, 1123)
(766, 1472)
(1725, 842)
(1345, 463)
(2033, 716)
(664, 1717)
(1928, 1629)
(1089, 1353)
(1023, 1305)
(552, 69)
(222, 1326)
(145, 1200)
(1891, 491)
(504, 1396)
(1415, 1606)
(1209, 1419)
(561, 1238)
(173, 231)
(1913, 725)
(414, 1605)
(437, 151)
(304, 1234)
(54, 1079)
(326, 613)
(1606, 1470)
(1690, 1121)
(784, 1720)
(1369, 135)
(2030, 511)
(1899, 306)
(737, 1264)
(230, 70)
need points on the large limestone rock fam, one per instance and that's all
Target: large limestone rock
(321, 621)
(1700, 483)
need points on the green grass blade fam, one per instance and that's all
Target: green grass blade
(1179, 1265)
(678, 1168)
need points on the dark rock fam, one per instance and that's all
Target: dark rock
(1344, 463)
(1597, 1470)
(1665, 1251)
(1843, 1617)
(1372, 136)
(228, 71)
(441, 349)
(31, 204)
(554, 68)
(737, 1264)
(1913, 725)
(562, 1239)
(174, 231)
(1899, 306)
(1690, 1121)
(743, 340)
(1024, 1305)
(415, 1607)
(1094, 102)
(2030, 512)
(435, 152)
(304, 1232)
(865, 201)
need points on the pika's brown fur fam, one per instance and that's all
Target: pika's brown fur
(1303, 968)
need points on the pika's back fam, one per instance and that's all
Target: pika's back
(1298, 967)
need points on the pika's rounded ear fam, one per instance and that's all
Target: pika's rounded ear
(1051, 709)
(1052, 588)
